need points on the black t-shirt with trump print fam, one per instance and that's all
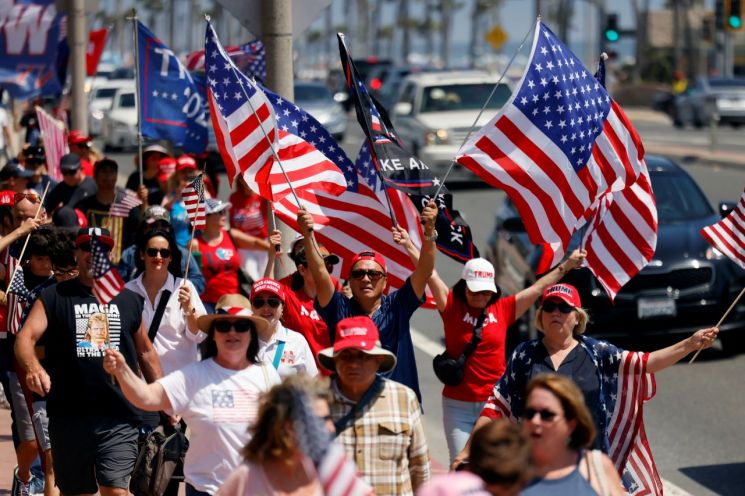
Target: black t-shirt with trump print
(78, 330)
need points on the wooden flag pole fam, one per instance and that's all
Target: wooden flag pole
(25, 243)
(721, 320)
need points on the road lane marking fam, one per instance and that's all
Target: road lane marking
(432, 348)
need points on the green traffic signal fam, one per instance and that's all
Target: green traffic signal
(611, 35)
(734, 21)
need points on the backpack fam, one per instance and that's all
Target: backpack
(159, 454)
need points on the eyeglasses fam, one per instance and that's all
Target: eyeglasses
(241, 326)
(68, 172)
(153, 252)
(550, 305)
(32, 197)
(546, 415)
(260, 302)
(58, 272)
(374, 275)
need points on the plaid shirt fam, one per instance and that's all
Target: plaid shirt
(386, 440)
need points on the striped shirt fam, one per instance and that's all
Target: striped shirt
(386, 440)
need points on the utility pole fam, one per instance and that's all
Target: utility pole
(78, 39)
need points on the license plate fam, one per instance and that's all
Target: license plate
(656, 307)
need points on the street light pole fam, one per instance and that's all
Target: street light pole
(78, 37)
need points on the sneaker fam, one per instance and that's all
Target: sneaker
(20, 488)
(36, 486)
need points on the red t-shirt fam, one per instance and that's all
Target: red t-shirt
(299, 315)
(87, 167)
(220, 266)
(247, 213)
(487, 363)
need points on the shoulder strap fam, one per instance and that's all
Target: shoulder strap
(158, 316)
(374, 390)
(476, 336)
(598, 467)
(278, 355)
(266, 376)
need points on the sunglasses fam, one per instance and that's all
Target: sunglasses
(65, 272)
(546, 415)
(550, 305)
(260, 302)
(374, 275)
(32, 197)
(241, 326)
(154, 252)
(69, 172)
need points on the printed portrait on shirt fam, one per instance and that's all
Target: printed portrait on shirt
(97, 327)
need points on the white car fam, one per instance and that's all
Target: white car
(99, 102)
(119, 128)
(435, 111)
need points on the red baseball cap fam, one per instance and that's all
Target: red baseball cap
(268, 286)
(369, 255)
(85, 234)
(359, 333)
(185, 162)
(564, 292)
(76, 137)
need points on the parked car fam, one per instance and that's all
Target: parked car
(100, 101)
(119, 126)
(720, 98)
(316, 99)
(435, 111)
(687, 285)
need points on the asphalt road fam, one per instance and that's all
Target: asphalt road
(693, 423)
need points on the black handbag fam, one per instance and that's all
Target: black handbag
(450, 370)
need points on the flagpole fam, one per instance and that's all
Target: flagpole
(368, 134)
(138, 102)
(272, 227)
(722, 320)
(476, 121)
(25, 243)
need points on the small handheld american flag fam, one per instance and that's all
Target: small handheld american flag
(193, 197)
(728, 235)
(107, 283)
(126, 202)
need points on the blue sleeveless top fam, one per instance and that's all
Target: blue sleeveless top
(571, 484)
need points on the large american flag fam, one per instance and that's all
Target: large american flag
(55, 142)
(728, 235)
(107, 283)
(250, 58)
(193, 198)
(125, 201)
(625, 386)
(556, 147)
(245, 128)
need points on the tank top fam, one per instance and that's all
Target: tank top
(220, 266)
(573, 483)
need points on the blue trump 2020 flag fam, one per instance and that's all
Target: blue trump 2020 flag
(172, 108)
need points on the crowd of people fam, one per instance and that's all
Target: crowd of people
(299, 385)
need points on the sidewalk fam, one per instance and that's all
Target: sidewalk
(7, 453)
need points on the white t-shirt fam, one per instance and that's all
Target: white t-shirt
(296, 356)
(175, 344)
(218, 405)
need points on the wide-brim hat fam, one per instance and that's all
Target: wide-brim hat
(232, 307)
(359, 333)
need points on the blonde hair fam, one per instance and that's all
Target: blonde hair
(572, 402)
(583, 318)
(97, 317)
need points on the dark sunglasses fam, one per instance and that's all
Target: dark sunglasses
(69, 172)
(374, 275)
(550, 305)
(59, 272)
(260, 302)
(153, 252)
(241, 326)
(546, 415)
(32, 197)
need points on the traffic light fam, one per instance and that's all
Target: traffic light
(612, 34)
(707, 29)
(734, 15)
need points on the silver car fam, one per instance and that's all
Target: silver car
(721, 99)
(317, 100)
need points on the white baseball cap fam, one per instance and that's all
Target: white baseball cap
(479, 275)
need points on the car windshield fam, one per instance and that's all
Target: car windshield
(311, 93)
(678, 199)
(127, 100)
(727, 83)
(105, 92)
(444, 98)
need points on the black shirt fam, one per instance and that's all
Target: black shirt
(80, 386)
(154, 193)
(69, 195)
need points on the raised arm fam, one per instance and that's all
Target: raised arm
(33, 329)
(26, 227)
(275, 239)
(149, 397)
(426, 264)
(436, 284)
(321, 276)
(662, 359)
(528, 296)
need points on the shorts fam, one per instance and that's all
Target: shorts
(41, 425)
(23, 424)
(92, 451)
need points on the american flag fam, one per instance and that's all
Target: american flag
(55, 142)
(234, 406)
(107, 283)
(125, 201)
(728, 235)
(193, 197)
(245, 129)
(557, 146)
(625, 386)
(250, 58)
(18, 296)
